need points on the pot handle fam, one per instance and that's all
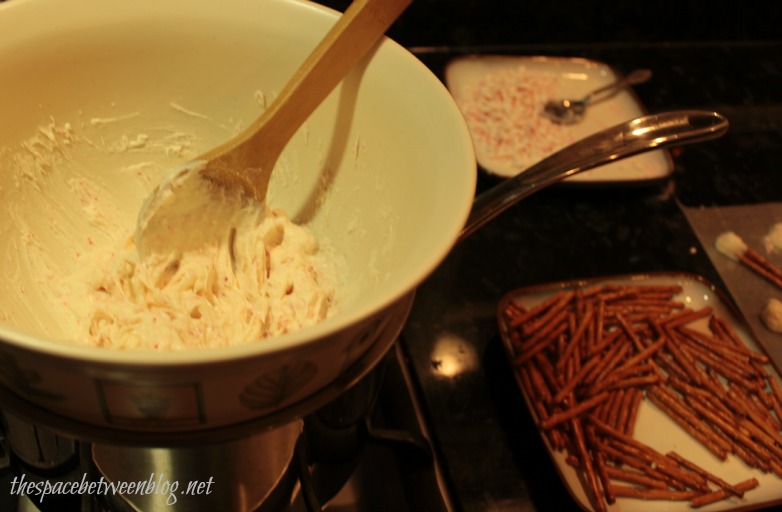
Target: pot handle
(668, 129)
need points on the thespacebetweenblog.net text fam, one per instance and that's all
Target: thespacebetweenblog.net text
(155, 484)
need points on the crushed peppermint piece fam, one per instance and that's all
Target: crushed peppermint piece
(502, 111)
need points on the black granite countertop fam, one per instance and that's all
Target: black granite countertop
(494, 457)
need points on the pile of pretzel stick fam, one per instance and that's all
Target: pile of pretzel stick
(587, 357)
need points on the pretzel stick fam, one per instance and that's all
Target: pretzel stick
(777, 394)
(599, 325)
(642, 380)
(600, 463)
(653, 494)
(721, 494)
(762, 266)
(570, 370)
(613, 413)
(586, 464)
(517, 320)
(575, 338)
(602, 473)
(644, 355)
(603, 410)
(711, 477)
(648, 306)
(617, 293)
(634, 478)
(572, 412)
(624, 409)
(629, 332)
(663, 302)
(633, 414)
(686, 316)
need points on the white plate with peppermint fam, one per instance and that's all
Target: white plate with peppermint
(501, 98)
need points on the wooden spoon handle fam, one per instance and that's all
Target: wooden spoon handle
(258, 147)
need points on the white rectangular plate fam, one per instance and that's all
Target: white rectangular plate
(515, 89)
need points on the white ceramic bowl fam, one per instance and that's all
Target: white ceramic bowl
(384, 169)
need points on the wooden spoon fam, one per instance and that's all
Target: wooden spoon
(183, 211)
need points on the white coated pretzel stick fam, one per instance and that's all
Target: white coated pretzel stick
(732, 246)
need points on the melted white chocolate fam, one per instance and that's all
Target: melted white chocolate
(265, 277)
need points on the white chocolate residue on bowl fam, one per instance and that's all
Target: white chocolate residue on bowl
(77, 189)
